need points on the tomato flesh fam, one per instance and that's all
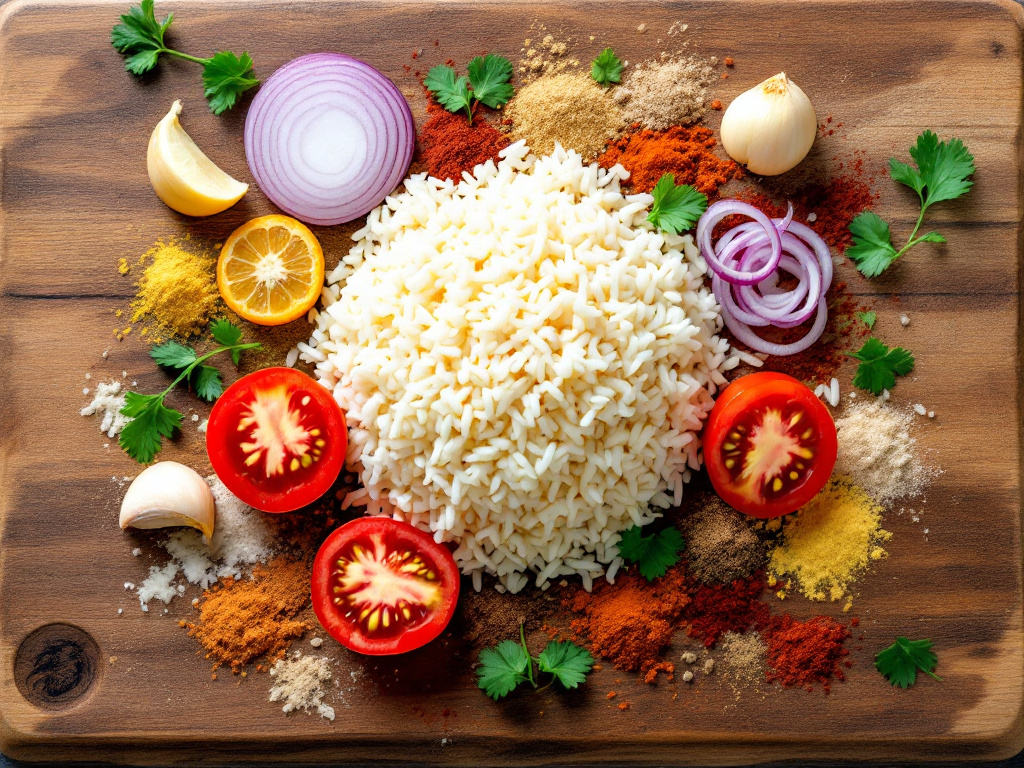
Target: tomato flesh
(382, 587)
(277, 439)
(769, 444)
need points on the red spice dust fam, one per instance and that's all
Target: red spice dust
(631, 622)
(449, 145)
(689, 153)
(803, 653)
(719, 608)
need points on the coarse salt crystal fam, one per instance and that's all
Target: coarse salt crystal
(316, 642)
(88, 376)
(136, 552)
(195, 417)
(920, 409)
(931, 414)
(85, 391)
(120, 611)
(106, 352)
(129, 585)
(905, 320)
(812, 217)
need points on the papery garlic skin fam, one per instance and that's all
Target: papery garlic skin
(168, 495)
(771, 127)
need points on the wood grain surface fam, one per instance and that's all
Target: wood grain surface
(74, 198)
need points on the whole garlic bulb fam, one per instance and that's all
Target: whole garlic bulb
(167, 495)
(771, 127)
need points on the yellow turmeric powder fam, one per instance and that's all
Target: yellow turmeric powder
(826, 545)
(177, 292)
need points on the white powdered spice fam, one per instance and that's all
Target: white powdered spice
(878, 453)
(107, 401)
(660, 94)
(301, 682)
(159, 585)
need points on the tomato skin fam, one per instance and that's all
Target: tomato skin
(284, 392)
(744, 403)
(398, 534)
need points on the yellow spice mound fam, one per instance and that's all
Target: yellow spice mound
(826, 545)
(177, 292)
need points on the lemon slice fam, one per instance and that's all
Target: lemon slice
(182, 176)
(271, 270)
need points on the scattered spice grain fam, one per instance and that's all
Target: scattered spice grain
(568, 108)
(686, 152)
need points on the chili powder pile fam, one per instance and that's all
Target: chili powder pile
(719, 608)
(686, 152)
(449, 144)
(805, 653)
(631, 622)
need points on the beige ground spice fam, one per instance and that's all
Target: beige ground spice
(743, 659)
(568, 108)
(660, 94)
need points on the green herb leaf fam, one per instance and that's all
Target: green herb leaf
(227, 334)
(173, 355)
(900, 662)
(868, 318)
(880, 365)
(872, 250)
(606, 68)
(943, 169)
(225, 78)
(206, 382)
(489, 76)
(569, 663)
(140, 37)
(653, 554)
(676, 209)
(502, 668)
(151, 421)
(931, 237)
(451, 92)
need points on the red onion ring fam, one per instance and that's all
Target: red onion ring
(328, 137)
(745, 265)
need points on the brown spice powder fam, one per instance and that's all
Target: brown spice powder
(720, 545)
(660, 94)
(242, 621)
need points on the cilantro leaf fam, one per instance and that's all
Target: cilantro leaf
(676, 209)
(207, 383)
(489, 76)
(225, 78)
(140, 37)
(151, 420)
(653, 554)
(872, 249)
(879, 366)
(451, 92)
(502, 668)
(227, 334)
(606, 68)
(868, 318)
(173, 355)
(569, 663)
(943, 167)
(941, 174)
(900, 662)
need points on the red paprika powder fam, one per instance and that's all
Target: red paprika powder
(448, 144)
(805, 653)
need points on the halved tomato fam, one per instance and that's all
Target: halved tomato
(277, 439)
(382, 587)
(769, 445)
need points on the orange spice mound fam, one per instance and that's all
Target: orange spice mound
(243, 620)
(686, 152)
(631, 622)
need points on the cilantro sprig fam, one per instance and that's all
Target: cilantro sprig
(606, 68)
(676, 209)
(151, 419)
(941, 173)
(900, 662)
(140, 38)
(869, 318)
(653, 554)
(487, 83)
(879, 365)
(509, 664)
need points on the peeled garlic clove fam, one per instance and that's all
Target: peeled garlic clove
(771, 127)
(168, 495)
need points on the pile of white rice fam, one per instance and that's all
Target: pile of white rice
(525, 363)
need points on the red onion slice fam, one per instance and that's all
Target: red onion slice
(718, 262)
(743, 332)
(328, 137)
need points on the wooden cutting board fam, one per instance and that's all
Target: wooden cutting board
(74, 198)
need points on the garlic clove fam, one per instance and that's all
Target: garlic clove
(771, 127)
(167, 495)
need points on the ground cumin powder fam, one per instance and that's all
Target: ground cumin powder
(177, 294)
(247, 620)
